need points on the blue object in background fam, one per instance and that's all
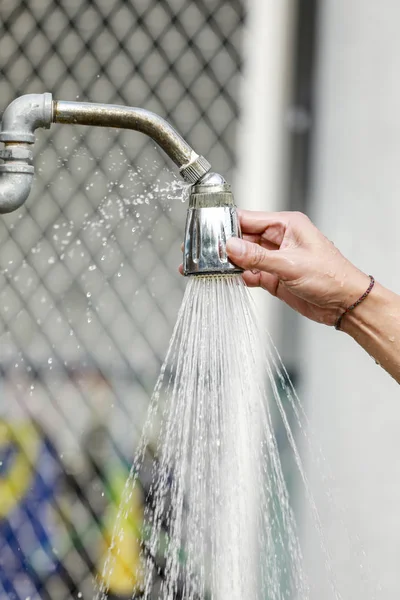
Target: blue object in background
(29, 477)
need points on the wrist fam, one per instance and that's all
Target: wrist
(359, 300)
(355, 284)
(364, 316)
(374, 325)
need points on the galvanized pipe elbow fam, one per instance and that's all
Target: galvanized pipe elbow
(19, 121)
(24, 115)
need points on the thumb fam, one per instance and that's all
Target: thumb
(249, 255)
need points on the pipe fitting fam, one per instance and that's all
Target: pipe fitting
(24, 115)
(15, 184)
(16, 176)
(14, 190)
(195, 169)
(19, 121)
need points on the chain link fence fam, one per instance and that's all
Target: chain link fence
(89, 288)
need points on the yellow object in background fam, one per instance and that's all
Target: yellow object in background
(17, 477)
(123, 571)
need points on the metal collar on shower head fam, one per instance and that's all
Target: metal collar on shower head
(211, 221)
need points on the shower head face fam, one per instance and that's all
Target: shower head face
(211, 221)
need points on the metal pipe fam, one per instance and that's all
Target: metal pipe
(191, 165)
(211, 217)
(25, 114)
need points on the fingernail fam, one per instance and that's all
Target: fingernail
(235, 246)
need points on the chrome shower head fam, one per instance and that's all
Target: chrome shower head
(211, 220)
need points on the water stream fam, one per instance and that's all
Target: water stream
(219, 521)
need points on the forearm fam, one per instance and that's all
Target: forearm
(375, 325)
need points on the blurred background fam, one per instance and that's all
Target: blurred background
(297, 104)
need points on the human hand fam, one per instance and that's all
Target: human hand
(285, 254)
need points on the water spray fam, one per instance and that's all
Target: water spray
(211, 216)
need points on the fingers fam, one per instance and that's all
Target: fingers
(275, 227)
(256, 221)
(271, 284)
(264, 280)
(256, 239)
(250, 256)
(269, 228)
(259, 239)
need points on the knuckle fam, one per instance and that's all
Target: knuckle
(300, 216)
(256, 256)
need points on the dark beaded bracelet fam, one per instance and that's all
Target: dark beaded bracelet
(352, 307)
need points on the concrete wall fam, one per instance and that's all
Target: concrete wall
(354, 405)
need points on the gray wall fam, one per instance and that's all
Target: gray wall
(354, 405)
